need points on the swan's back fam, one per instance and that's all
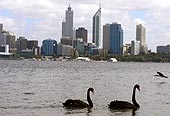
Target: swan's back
(75, 104)
(121, 105)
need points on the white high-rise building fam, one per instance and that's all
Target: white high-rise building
(67, 25)
(135, 47)
(141, 36)
(97, 28)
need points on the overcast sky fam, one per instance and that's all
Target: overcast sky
(42, 19)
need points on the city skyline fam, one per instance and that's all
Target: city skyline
(42, 19)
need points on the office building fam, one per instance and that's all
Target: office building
(7, 38)
(67, 25)
(113, 38)
(163, 49)
(106, 37)
(81, 33)
(21, 44)
(141, 36)
(135, 49)
(127, 49)
(96, 35)
(65, 50)
(49, 47)
(4, 51)
(32, 44)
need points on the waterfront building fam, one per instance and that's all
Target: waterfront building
(163, 49)
(96, 35)
(113, 38)
(141, 36)
(135, 49)
(21, 44)
(127, 49)
(65, 50)
(32, 44)
(67, 24)
(81, 33)
(37, 51)
(7, 38)
(4, 51)
(49, 47)
(4, 48)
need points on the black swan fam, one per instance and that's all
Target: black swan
(124, 104)
(78, 103)
(161, 75)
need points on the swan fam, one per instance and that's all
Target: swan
(124, 104)
(161, 75)
(78, 103)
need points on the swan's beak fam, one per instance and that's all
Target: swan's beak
(93, 92)
(139, 88)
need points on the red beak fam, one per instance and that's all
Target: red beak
(139, 88)
(93, 92)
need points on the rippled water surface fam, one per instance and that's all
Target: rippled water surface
(32, 88)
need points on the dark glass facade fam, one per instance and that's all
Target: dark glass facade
(49, 47)
(81, 33)
(116, 38)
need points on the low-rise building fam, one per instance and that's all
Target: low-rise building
(163, 49)
(49, 47)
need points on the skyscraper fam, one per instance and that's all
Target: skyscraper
(106, 37)
(67, 25)
(97, 28)
(113, 38)
(141, 36)
(81, 33)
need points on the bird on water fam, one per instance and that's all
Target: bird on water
(161, 75)
(124, 104)
(70, 103)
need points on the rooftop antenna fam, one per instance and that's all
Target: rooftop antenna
(69, 7)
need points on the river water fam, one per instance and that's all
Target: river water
(38, 88)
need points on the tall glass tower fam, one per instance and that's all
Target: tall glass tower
(116, 38)
(67, 25)
(113, 38)
(97, 28)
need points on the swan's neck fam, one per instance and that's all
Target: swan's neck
(89, 99)
(134, 99)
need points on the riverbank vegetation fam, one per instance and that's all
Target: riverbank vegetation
(163, 57)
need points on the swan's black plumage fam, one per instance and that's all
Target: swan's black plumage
(124, 104)
(78, 103)
(161, 75)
